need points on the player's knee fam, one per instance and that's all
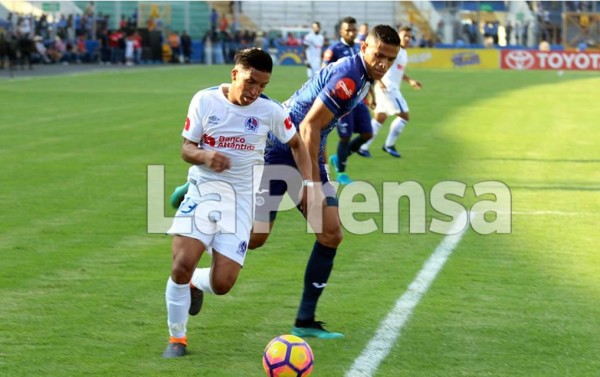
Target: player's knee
(366, 136)
(222, 286)
(257, 240)
(404, 116)
(331, 238)
(180, 273)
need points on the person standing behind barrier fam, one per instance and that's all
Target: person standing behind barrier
(313, 49)
(389, 99)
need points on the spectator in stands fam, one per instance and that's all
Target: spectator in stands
(81, 52)
(291, 40)
(186, 46)
(508, 30)
(214, 19)
(41, 50)
(223, 24)
(261, 41)
(363, 31)
(174, 43)
(129, 50)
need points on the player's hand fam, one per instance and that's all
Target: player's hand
(373, 104)
(415, 84)
(217, 161)
(313, 204)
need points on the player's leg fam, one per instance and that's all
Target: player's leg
(385, 105)
(397, 125)
(362, 127)
(186, 254)
(178, 194)
(339, 160)
(318, 270)
(396, 129)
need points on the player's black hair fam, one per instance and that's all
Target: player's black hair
(348, 20)
(385, 34)
(254, 58)
(317, 23)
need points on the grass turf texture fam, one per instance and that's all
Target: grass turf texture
(82, 284)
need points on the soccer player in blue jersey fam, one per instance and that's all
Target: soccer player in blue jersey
(359, 119)
(316, 109)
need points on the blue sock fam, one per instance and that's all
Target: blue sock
(356, 143)
(342, 153)
(317, 273)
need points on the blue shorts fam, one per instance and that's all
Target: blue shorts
(358, 121)
(281, 176)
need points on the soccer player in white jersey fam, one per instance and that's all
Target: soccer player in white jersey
(313, 49)
(389, 99)
(224, 137)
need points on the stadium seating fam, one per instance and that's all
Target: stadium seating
(192, 16)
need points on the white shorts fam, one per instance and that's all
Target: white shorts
(389, 101)
(315, 64)
(217, 220)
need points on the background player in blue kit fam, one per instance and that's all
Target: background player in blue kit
(315, 109)
(359, 119)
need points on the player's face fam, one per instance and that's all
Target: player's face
(379, 57)
(316, 28)
(405, 38)
(247, 84)
(348, 33)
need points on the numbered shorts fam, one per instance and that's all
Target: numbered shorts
(389, 102)
(222, 220)
(357, 121)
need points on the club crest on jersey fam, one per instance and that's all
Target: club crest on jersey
(251, 125)
(345, 88)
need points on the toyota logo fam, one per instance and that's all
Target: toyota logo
(519, 59)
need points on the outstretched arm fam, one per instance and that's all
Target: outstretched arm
(318, 117)
(414, 83)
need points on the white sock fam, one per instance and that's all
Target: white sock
(376, 127)
(201, 280)
(395, 130)
(178, 303)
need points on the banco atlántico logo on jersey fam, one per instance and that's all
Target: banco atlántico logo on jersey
(233, 142)
(345, 88)
(251, 125)
(209, 140)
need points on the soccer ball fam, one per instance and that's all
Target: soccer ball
(288, 356)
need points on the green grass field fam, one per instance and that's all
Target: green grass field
(82, 283)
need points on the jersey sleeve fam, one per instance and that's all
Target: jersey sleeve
(339, 90)
(193, 128)
(282, 126)
(328, 56)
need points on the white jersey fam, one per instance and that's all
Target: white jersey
(393, 77)
(239, 132)
(314, 46)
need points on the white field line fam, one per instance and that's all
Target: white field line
(389, 330)
(551, 213)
